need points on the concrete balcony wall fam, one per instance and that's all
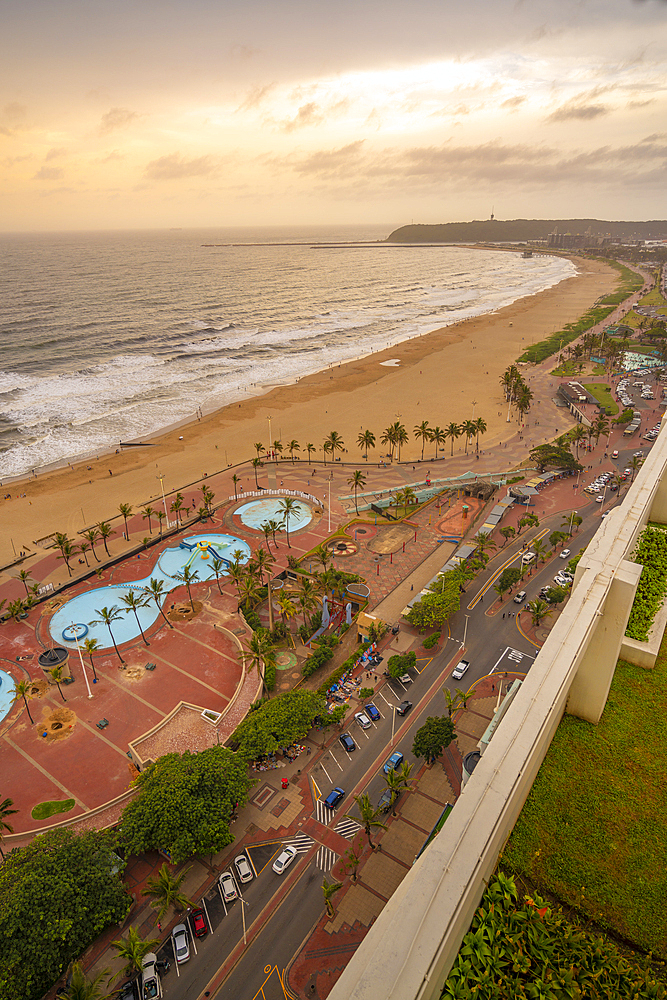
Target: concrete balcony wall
(410, 949)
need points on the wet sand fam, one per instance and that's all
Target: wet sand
(439, 378)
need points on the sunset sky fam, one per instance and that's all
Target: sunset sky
(151, 113)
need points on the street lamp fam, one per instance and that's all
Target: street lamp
(465, 632)
(243, 905)
(83, 669)
(393, 721)
(161, 478)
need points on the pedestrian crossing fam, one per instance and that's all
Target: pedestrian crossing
(322, 812)
(301, 841)
(325, 859)
(347, 828)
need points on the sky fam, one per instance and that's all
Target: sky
(166, 113)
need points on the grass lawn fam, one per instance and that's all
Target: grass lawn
(46, 809)
(593, 831)
(654, 298)
(603, 395)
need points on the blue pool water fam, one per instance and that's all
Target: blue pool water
(84, 608)
(258, 512)
(6, 693)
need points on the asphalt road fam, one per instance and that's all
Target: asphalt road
(492, 644)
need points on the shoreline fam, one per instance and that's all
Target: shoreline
(459, 377)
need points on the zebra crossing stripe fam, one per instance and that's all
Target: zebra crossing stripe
(301, 841)
(347, 828)
(326, 859)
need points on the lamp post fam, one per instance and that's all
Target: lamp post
(465, 632)
(243, 906)
(83, 669)
(393, 721)
(329, 506)
(164, 501)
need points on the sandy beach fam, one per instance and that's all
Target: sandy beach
(438, 378)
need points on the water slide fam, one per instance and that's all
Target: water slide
(216, 554)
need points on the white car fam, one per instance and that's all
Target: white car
(150, 980)
(363, 720)
(243, 868)
(228, 887)
(564, 554)
(460, 669)
(180, 942)
(284, 859)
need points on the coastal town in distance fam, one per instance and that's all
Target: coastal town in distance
(252, 664)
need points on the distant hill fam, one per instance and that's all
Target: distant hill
(520, 230)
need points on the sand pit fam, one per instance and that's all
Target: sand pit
(57, 724)
(391, 538)
(184, 612)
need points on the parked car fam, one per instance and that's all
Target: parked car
(228, 887)
(528, 557)
(405, 679)
(181, 943)
(404, 708)
(520, 597)
(347, 742)
(385, 803)
(395, 628)
(150, 980)
(372, 712)
(460, 669)
(335, 796)
(128, 991)
(243, 868)
(614, 453)
(363, 720)
(394, 762)
(284, 859)
(199, 923)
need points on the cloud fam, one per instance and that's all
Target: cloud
(116, 118)
(48, 174)
(113, 155)
(14, 114)
(513, 102)
(255, 97)
(641, 104)
(330, 161)
(580, 112)
(54, 153)
(176, 167)
(308, 114)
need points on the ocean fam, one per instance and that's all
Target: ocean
(113, 336)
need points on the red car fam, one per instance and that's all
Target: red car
(199, 923)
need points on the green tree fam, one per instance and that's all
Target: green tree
(433, 737)
(107, 616)
(434, 608)
(188, 577)
(24, 576)
(453, 431)
(126, 510)
(106, 531)
(422, 431)
(286, 507)
(544, 455)
(469, 429)
(161, 518)
(134, 601)
(259, 448)
(556, 538)
(83, 988)
(185, 803)
(57, 676)
(262, 653)
(438, 437)
(352, 857)
(91, 646)
(165, 890)
(539, 611)
(528, 521)
(389, 437)
(335, 443)
(370, 818)
(278, 723)
(147, 513)
(5, 827)
(356, 480)
(57, 895)
(22, 690)
(507, 533)
(277, 447)
(484, 542)
(480, 428)
(399, 664)
(236, 480)
(329, 888)
(366, 440)
(292, 447)
(91, 537)
(256, 464)
(307, 597)
(132, 949)
(310, 448)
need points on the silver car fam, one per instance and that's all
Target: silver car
(181, 943)
(243, 868)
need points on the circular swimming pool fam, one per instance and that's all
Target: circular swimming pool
(258, 512)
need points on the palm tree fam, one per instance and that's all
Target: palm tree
(6, 811)
(264, 561)
(635, 464)
(292, 447)
(68, 551)
(91, 537)
(356, 480)
(326, 447)
(176, 507)
(135, 601)
(309, 448)
(90, 646)
(438, 436)
(369, 817)
(16, 609)
(256, 462)
(329, 888)
(286, 507)
(22, 690)
(207, 496)
(133, 949)
(259, 448)
(148, 512)
(277, 448)
(249, 589)
(188, 577)
(57, 676)
(577, 436)
(400, 436)
(165, 888)
(82, 988)
(539, 611)
(306, 597)
(389, 437)
(423, 431)
(484, 542)
(395, 786)
(366, 440)
(236, 480)
(405, 497)
(287, 609)
(218, 567)
(107, 616)
(540, 549)
(480, 428)
(161, 517)
(453, 431)
(83, 549)
(155, 592)
(106, 531)
(262, 653)
(469, 429)
(24, 576)
(335, 443)
(126, 510)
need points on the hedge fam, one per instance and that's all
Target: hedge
(431, 641)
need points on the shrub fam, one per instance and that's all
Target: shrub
(651, 553)
(316, 660)
(270, 676)
(399, 664)
(252, 618)
(431, 641)
(366, 693)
